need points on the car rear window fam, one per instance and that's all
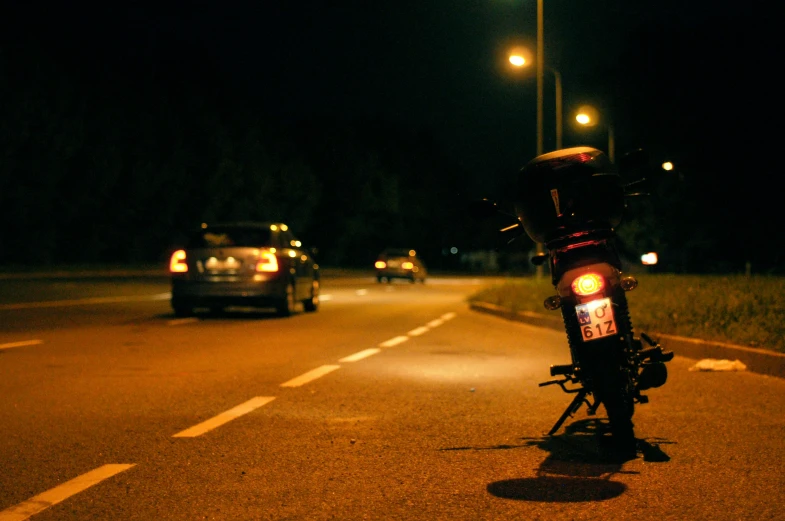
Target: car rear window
(227, 237)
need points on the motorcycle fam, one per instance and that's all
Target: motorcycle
(571, 200)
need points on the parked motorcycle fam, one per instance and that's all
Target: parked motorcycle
(571, 200)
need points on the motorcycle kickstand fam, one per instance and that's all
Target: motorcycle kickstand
(571, 409)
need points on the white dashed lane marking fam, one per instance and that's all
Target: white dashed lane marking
(60, 493)
(417, 331)
(360, 355)
(224, 417)
(399, 339)
(310, 375)
(41, 502)
(394, 341)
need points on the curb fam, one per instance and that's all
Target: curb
(761, 361)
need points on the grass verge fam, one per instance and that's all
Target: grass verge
(747, 311)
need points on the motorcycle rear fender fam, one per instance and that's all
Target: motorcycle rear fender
(609, 272)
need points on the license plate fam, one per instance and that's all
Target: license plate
(596, 319)
(217, 265)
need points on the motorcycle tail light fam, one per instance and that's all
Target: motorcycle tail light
(267, 262)
(588, 284)
(380, 265)
(407, 265)
(177, 262)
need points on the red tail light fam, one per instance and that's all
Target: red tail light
(177, 262)
(407, 265)
(380, 265)
(588, 284)
(267, 262)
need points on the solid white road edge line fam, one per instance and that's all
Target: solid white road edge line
(224, 417)
(83, 301)
(394, 341)
(42, 501)
(360, 355)
(21, 344)
(310, 375)
(181, 321)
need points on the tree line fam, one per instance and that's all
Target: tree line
(118, 163)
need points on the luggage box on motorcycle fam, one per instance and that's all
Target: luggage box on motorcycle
(569, 191)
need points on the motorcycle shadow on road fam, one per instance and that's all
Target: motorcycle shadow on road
(580, 466)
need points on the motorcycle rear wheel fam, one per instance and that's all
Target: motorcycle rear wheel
(614, 389)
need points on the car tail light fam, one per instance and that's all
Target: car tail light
(380, 265)
(267, 262)
(588, 284)
(177, 263)
(407, 265)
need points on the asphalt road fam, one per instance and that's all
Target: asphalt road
(391, 402)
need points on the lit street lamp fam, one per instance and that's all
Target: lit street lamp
(668, 166)
(589, 117)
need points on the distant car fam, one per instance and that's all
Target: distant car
(244, 264)
(396, 263)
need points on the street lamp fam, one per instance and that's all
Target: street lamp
(589, 117)
(518, 59)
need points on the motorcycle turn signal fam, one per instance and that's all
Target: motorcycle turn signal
(629, 283)
(552, 303)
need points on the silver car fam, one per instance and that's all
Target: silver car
(248, 264)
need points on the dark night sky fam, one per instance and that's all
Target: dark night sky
(440, 64)
(693, 82)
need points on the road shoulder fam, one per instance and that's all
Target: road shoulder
(760, 361)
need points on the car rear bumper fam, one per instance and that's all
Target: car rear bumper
(215, 293)
(395, 274)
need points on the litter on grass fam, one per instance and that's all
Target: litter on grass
(712, 364)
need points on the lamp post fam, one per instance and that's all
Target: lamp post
(589, 117)
(540, 63)
(559, 119)
(519, 60)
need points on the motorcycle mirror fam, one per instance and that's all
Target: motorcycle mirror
(634, 188)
